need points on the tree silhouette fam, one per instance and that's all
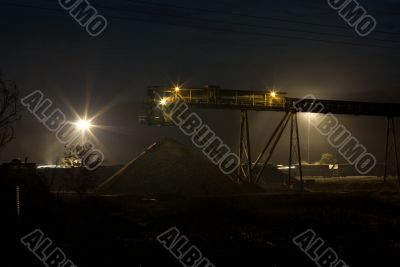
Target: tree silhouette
(9, 110)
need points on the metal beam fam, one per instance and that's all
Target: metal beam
(290, 150)
(395, 150)
(240, 169)
(271, 139)
(278, 137)
(298, 152)
(248, 149)
(387, 148)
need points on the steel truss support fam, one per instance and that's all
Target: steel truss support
(274, 139)
(391, 125)
(250, 172)
(294, 126)
(290, 151)
(245, 148)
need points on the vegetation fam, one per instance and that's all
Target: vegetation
(9, 110)
(327, 158)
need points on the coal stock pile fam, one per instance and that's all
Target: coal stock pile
(169, 168)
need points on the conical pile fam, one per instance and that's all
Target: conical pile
(169, 168)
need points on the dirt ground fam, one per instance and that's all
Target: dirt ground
(358, 218)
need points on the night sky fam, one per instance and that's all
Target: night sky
(299, 47)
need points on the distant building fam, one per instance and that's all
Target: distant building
(17, 168)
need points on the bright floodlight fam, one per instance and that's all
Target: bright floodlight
(272, 94)
(310, 115)
(177, 89)
(83, 125)
(163, 101)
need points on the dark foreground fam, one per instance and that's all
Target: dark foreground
(363, 228)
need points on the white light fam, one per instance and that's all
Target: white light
(49, 167)
(83, 125)
(286, 167)
(310, 115)
(163, 101)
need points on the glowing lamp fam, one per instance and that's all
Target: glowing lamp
(163, 101)
(83, 125)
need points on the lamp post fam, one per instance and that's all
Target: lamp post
(308, 137)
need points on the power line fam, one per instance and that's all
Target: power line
(258, 33)
(251, 16)
(215, 29)
(249, 25)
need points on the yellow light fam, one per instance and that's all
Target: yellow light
(83, 125)
(177, 89)
(163, 101)
(272, 94)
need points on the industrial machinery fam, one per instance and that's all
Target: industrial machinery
(217, 98)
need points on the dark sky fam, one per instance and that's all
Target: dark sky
(300, 47)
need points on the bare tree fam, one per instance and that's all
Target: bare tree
(9, 110)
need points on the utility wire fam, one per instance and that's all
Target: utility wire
(248, 25)
(214, 29)
(251, 16)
